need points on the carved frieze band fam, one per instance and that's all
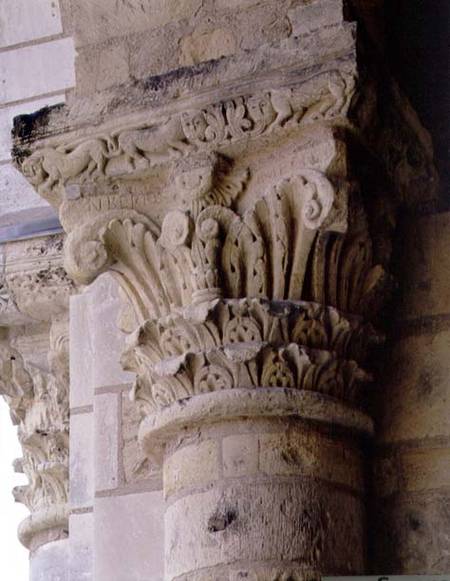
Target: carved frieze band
(134, 150)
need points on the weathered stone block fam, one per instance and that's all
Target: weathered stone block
(308, 16)
(426, 282)
(233, 4)
(240, 455)
(311, 455)
(221, 527)
(193, 466)
(204, 46)
(426, 469)
(406, 535)
(96, 21)
(101, 67)
(152, 54)
(418, 381)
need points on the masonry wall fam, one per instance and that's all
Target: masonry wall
(116, 525)
(412, 475)
(36, 70)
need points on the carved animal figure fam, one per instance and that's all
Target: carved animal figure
(289, 105)
(155, 144)
(50, 167)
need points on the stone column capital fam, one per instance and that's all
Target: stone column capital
(34, 286)
(246, 208)
(38, 398)
(34, 379)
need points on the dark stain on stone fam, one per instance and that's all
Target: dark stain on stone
(19, 154)
(161, 82)
(222, 519)
(28, 127)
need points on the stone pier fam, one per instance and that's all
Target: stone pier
(230, 221)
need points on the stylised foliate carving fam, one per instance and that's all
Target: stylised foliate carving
(325, 96)
(245, 365)
(247, 343)
(263, 253)
(16, 384)
(229, 322)
(35, 284)
(39, 406)
(218, 294)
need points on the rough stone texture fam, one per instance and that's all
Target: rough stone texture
(412, 466)
(266, 513)
(95, 22)
(418, 381)
(306, 17)
(305, 524)
(205, 46)
(101, 68)
(240, 455)
(426, 280)
(413, 533)
(193, 466)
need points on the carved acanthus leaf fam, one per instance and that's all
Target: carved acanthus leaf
(39, 405)
(247, 343)
(263, 253)
(244, 366)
